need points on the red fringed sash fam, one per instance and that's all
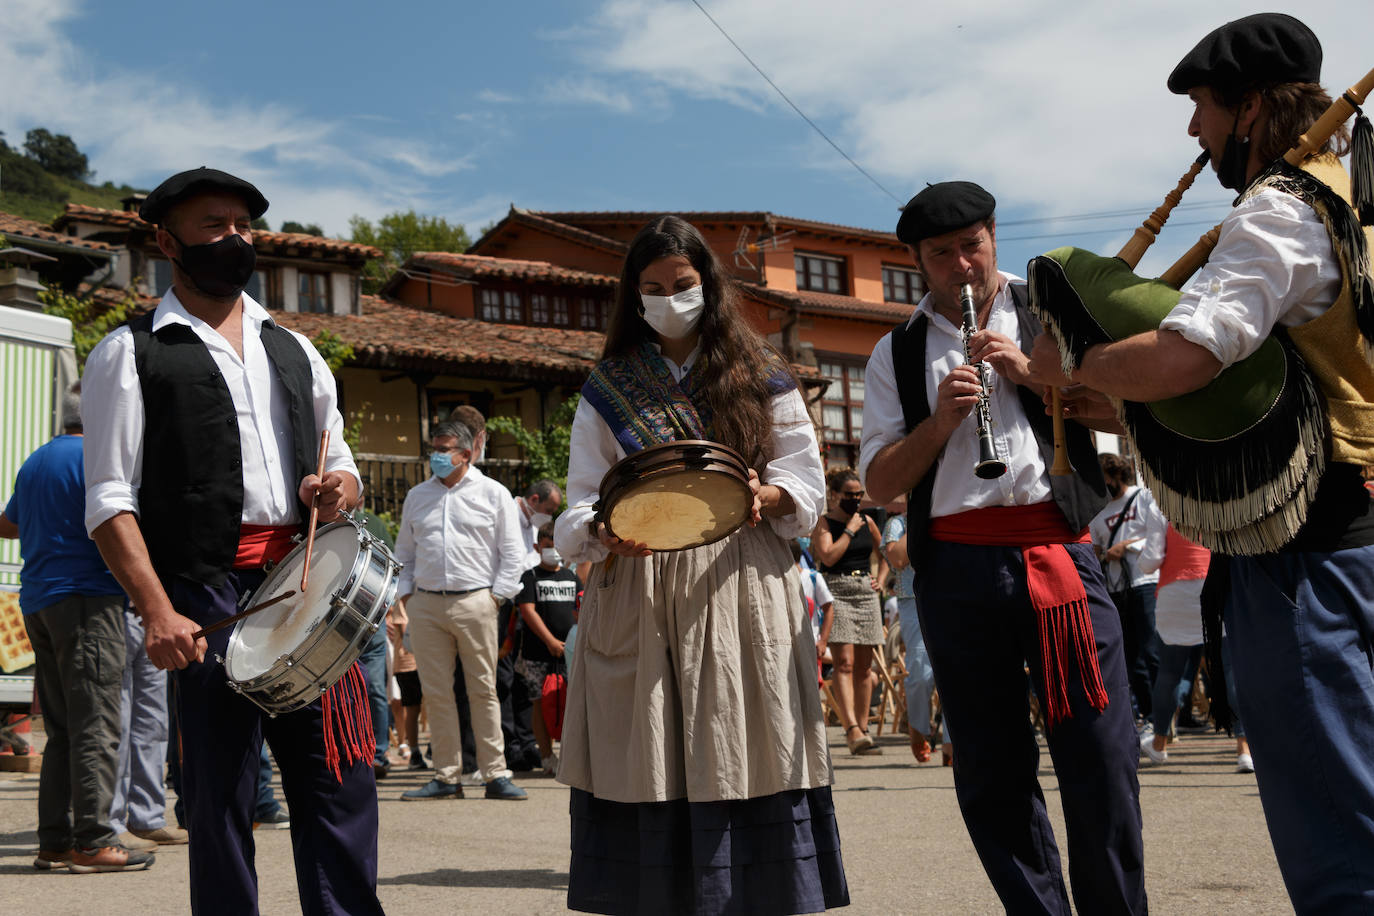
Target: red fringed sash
(259, 544)
(1056, 591)
(348, 735)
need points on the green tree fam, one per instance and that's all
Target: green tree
(399, 235)
(303, 228)
(332, 349)
(57, 154)
(91, 319)
(545, 449)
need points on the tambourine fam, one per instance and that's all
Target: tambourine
(676, 495)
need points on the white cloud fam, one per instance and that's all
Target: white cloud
(588, 91)
(139, 128)
(495, 97)
(1057, 107)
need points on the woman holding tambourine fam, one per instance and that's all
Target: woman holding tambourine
(693, 738)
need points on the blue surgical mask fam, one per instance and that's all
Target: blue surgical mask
(441, 464)
(805, 544)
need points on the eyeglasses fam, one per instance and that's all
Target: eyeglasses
(429, 450)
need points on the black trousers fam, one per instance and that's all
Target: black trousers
(980, 632)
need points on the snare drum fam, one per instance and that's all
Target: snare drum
(285, 656)
(676, 495)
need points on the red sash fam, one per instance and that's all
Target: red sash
(259, 544)
(1056, 591)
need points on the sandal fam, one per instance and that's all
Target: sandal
(861, 744)
(870, 746)
(920, 747)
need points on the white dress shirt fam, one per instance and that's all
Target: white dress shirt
(528, 533)
(1026, 481)
(1273, 264)
(1143, 516)
(112, 410)
(794, 467)
(459, 538)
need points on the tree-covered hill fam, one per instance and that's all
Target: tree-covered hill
(48, 171)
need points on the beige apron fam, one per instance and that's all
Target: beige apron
(694, 675)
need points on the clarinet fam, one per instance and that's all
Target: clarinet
(989, 465)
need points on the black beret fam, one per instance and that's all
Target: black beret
(1265, 49)
(942, 208)
(197, 181)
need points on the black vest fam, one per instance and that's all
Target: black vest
(1080, 496)
(191, 497)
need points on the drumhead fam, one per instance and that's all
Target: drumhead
(259, 640)
(681, 508)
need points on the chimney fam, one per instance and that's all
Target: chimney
(133, 201)
(19, 283)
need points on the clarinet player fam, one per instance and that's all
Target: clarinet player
(1005, 575)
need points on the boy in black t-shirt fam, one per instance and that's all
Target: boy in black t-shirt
(547, 602)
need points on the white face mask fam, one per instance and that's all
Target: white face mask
(540, 519)
(550, 556)
(674, 316)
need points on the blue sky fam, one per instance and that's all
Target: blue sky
(460, 109)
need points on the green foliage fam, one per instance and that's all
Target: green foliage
(57, 154)
(303, 228)
(399, 235)
(91, 320)
(332, 349)
(27, 190)
(261, 225)
(545, 449)
(353, 432)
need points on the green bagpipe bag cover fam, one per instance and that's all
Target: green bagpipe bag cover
(1234, 465)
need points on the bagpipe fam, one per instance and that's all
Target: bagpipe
(1234, 465)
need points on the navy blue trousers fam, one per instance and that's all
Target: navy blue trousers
(333, 824)
(980, 633)
(1301, 629)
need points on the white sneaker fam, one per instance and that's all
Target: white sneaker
(473, 779)
(1245, 764)
(549, 764)
(1147, 747)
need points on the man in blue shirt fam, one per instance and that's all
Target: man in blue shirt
(74, 613)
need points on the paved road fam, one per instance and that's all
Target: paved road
(905, 848)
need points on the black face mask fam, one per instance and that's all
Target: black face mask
(850, 504)
(220, 269)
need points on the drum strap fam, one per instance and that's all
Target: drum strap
(1062, 618)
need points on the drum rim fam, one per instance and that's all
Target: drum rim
(608, 505)
(338, 600)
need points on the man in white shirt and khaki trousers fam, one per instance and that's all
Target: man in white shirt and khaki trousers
(461, 546)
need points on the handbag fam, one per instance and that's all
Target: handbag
(1125, 584)
(553, 700)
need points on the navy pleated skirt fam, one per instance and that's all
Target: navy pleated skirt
(779, 854)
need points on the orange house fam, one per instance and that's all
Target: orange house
(824, 294)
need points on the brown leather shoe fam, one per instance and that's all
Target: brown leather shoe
(162, 836)
(109, 858)
(47, 859)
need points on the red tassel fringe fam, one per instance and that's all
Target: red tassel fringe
(1065, 628)
(348, 735)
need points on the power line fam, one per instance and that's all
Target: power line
(1103, 214)
(802, 114)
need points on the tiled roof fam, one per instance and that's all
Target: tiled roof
(814, 303)
(16, 227)
(552, 227)
(637, 218)
(481, 266)
(263, 240)
(396, 336)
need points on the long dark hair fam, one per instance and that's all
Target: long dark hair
(735, 377)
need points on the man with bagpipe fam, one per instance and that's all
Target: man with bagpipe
(1250, 399)
(1004, 571)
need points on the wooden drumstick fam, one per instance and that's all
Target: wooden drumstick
(237, 617)
(314, 511)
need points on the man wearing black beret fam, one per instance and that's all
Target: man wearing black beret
(1291, 261)
(1005, 573)
(200, 469)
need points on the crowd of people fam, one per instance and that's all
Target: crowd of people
(684, 687)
